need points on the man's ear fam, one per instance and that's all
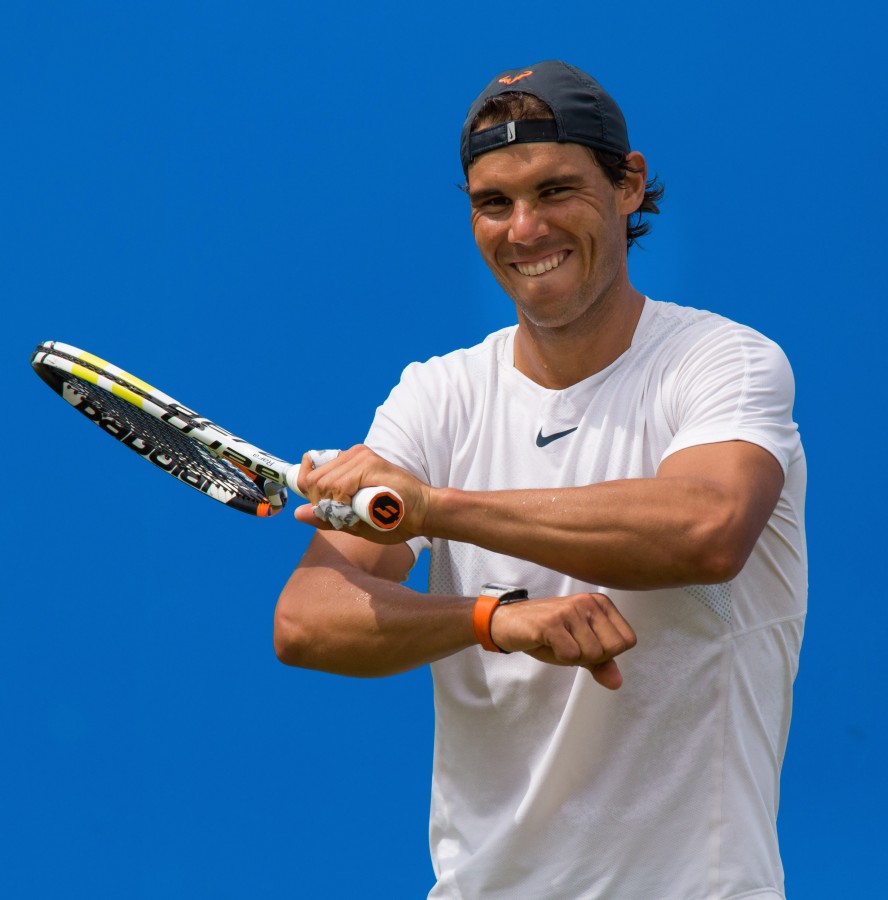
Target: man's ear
(634, 183)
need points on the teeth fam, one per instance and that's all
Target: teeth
(544, 265)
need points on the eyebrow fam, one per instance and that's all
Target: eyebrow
(477, 196)
(567, 179)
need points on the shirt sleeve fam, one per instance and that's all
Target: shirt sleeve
(733, 384)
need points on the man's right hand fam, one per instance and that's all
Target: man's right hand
(579, 630)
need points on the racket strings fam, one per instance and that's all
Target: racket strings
(162, 444)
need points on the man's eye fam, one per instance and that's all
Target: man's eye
(494, 202)
(554, 191)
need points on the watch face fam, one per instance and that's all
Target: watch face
(491, 589)
(505, 592)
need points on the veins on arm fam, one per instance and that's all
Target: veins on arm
(695, 523)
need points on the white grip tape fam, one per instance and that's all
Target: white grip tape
(319, 457)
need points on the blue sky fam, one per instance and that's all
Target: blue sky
(229, 200)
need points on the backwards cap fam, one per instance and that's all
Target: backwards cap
(584, 112)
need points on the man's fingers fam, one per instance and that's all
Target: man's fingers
(607, 674)
(302, 480)
(341, 477)
(324, 480)
(338, 479)
(579, 630)
(585, 630)
(623, 628)
(603, 632)
(305, 514)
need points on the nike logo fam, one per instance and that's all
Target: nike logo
(513, 78)
(545, 441)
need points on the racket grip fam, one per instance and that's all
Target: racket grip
(380, 507)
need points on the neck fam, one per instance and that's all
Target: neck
(558, 357)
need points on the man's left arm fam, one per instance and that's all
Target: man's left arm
(696, 522)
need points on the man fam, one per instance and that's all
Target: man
(607, 442)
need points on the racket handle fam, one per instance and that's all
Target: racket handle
(380, 507)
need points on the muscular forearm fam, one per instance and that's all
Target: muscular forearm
(631, 534)
(338, 618)
(695, 522)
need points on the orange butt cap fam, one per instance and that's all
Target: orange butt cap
(386, 510)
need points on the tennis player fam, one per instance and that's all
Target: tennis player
(633, 466)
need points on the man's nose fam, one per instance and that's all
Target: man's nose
(527, 224)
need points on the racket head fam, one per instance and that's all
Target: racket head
(116, 401)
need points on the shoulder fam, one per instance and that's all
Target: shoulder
(669, 318)
(453, 382)
(685, 336)
(718, 380)
(461, 364)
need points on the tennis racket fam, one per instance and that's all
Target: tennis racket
(190, 447)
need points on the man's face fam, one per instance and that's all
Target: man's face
(551, 227)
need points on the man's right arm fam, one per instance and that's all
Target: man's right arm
(344, 611)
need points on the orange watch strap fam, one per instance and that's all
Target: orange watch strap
(485, 607)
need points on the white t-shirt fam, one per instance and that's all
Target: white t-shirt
(545, 784)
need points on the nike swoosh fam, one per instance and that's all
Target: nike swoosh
(544, 441)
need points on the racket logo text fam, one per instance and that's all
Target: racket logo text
(126, 435)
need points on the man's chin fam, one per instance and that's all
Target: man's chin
(545, 301)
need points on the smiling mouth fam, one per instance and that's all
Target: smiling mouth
(542, 266)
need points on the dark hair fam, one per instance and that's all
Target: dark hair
(516, 105)
(615, 167)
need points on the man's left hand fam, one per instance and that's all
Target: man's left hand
(356, 468)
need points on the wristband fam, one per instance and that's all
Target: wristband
(491, 596)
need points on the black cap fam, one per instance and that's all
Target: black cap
(584, 112)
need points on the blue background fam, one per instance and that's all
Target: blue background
(224, 199)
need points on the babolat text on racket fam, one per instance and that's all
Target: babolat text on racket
(190, 447)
